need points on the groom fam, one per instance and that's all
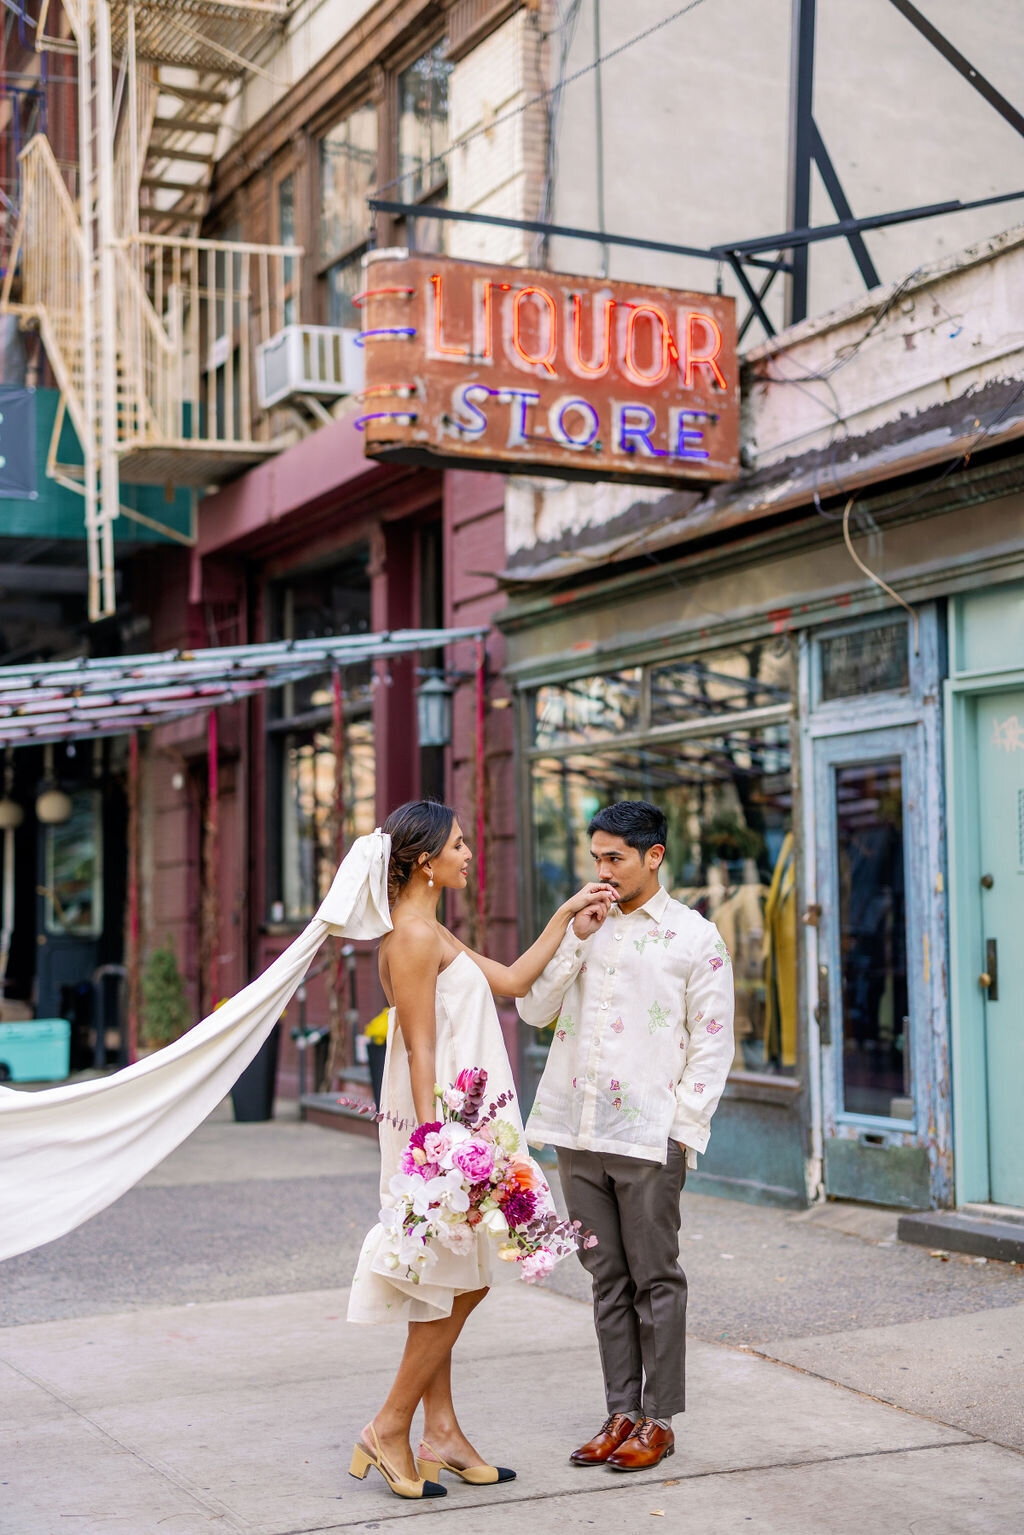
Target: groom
(642, 1004)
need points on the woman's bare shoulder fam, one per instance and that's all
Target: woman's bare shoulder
(414, 940)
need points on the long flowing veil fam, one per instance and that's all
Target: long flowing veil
(67, 1152)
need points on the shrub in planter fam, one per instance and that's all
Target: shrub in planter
(166, 1013)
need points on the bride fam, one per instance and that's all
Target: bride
(442, 1020)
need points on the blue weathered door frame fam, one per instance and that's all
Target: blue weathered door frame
(886, 1160)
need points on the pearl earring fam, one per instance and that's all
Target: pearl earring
(431, 880)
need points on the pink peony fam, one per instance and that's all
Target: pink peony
(475, 1159)
(435, 1144)
(537, 1265)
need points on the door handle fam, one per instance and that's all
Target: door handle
(989, 977)
(822, 1012)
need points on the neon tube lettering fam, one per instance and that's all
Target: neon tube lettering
(560, 432)
(439, 345)
(696, 359)
(586, 369)
(668, 345)
(517, 311)
(517, 435)
(462, 400)
(685, 437)
(628, 433)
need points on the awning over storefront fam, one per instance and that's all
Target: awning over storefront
(104, 696)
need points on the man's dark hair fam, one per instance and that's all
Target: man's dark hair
(640, 824)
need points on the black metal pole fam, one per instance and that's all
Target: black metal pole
(801, 150)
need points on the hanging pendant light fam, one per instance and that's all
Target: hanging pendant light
(434, 711)
(11, 814)
(53, 806)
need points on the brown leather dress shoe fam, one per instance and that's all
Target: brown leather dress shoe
(615, 1430)
(646, 1446)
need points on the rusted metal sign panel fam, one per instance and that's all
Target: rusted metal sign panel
(537, 373)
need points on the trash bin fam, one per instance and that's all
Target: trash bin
(375, 1055)
(252, 1096)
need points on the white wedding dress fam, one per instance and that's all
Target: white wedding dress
(468, 1034)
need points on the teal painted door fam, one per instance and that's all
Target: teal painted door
(1001, 820)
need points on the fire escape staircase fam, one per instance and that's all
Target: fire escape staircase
(150, 329)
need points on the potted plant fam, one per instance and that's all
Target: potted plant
(166, 1013)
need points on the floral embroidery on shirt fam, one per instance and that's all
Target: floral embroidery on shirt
(713, 1027)
(653, 935)
(722, 956)
(565, 1027)
(620, 1100)
(657, 1017)
(698, 1087)
(618, 1026)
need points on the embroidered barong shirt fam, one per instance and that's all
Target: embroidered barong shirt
(643, 1041)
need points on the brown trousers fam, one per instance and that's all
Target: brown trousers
(632, 1207)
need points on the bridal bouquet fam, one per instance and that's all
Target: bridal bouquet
(465, 1173)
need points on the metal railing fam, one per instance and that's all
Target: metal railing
(189, 314)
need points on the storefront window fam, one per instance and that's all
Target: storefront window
(306, 781)
(587, 708)
(311, 787)
(868, 660)
(727, 795)
(873, 939)
(74, 870)
(753, 677)
(348, 173)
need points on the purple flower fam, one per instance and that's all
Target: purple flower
(519, 1207)
(420, 1134)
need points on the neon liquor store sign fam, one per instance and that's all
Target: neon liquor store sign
(535, 372)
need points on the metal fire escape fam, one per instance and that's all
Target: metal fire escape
(150, 330)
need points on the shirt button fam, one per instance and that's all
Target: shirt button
(604, 1004)
(618, 937)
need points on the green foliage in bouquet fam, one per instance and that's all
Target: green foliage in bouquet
(166, 1013)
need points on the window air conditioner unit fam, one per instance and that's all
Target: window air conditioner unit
(319, 361)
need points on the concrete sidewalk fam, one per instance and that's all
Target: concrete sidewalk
(240, 1416)
(182, 1364)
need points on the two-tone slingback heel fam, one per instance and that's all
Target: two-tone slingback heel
(402, 1486)
(430, 1465)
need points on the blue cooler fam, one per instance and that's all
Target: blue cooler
(36, 1050)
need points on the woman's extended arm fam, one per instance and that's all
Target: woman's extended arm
(414, 957)
(516, 979)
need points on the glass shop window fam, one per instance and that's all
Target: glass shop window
(875, 659)
(727, 793)
(730, 681)
(74, 870)
(587, 708)
(314, 791)
(873, 939)
(348, 174)
(312, 780)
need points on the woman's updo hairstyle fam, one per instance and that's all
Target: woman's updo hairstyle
(421, 826)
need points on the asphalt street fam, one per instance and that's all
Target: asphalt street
(275, 1209)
